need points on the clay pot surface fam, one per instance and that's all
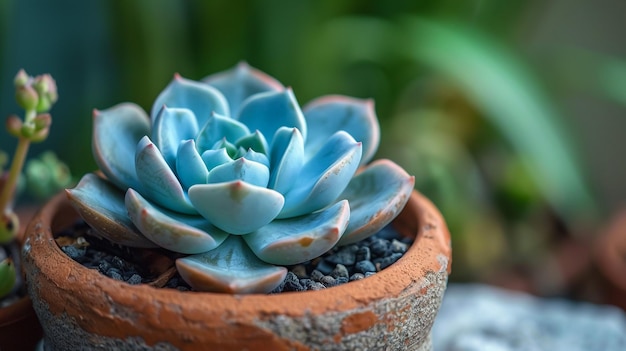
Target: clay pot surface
(610, 258)
(19, 328)
(392, 310)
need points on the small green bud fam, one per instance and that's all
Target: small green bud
(26, 97)
(42, 121)
(40, 135)
(27, 130)
(9, 225)
(8, 277)
(46, 87)
(21, 79)
(14, 126)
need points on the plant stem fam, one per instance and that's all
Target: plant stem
(17, 164)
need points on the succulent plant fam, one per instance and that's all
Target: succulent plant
(232, 172)
(36, 95)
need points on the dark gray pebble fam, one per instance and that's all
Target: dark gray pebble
(398, 246)
(379, 247)
(316, 275)
(134, 279)
(389, 260)
(341, 280)
(357, 276)
(310, 284)
(328, 281)
(113, 273)
(292, 283)
(104, 266)
(363, 254)
(74, 253)
(340, 271)
(345, 256)
(325, 266)
(364, 267)
(117, 262)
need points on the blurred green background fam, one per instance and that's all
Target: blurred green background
(510, 113)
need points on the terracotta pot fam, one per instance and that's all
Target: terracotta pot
(392, 310)
(610, 259)
(19, 328)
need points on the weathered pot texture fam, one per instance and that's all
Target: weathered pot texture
(19, 327)
(391, 310)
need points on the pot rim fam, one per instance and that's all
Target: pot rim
(430, 253)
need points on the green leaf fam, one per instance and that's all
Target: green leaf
(508, 94)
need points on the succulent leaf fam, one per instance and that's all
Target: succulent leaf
(251, 172)
(159, 181)
(254, 156)
(175, 232)
(170, 127)
(116, 132)
(190, 167)
(324, 177)
(217, 128)
(255, 141)
(231, 268)
(102, 206)
(230, 148)
(299, 239)
(328, 114)
(377, 195)
(216, 157)
(236, 207)
(267, 112)
(200, 98)
(241, 82)
(287, 155)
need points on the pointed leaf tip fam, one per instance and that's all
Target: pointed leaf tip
(231, 268)
(296, 240)
(172, 231)
(101, 205)
(159, 182)
(376, 195)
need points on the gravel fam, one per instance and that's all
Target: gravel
(339, 266)
(348, 263)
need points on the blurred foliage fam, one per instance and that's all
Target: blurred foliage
(45, 176)
(460, 104)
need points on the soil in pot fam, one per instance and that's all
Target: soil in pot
(339, 266)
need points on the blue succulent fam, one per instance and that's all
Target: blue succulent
(231, 171)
